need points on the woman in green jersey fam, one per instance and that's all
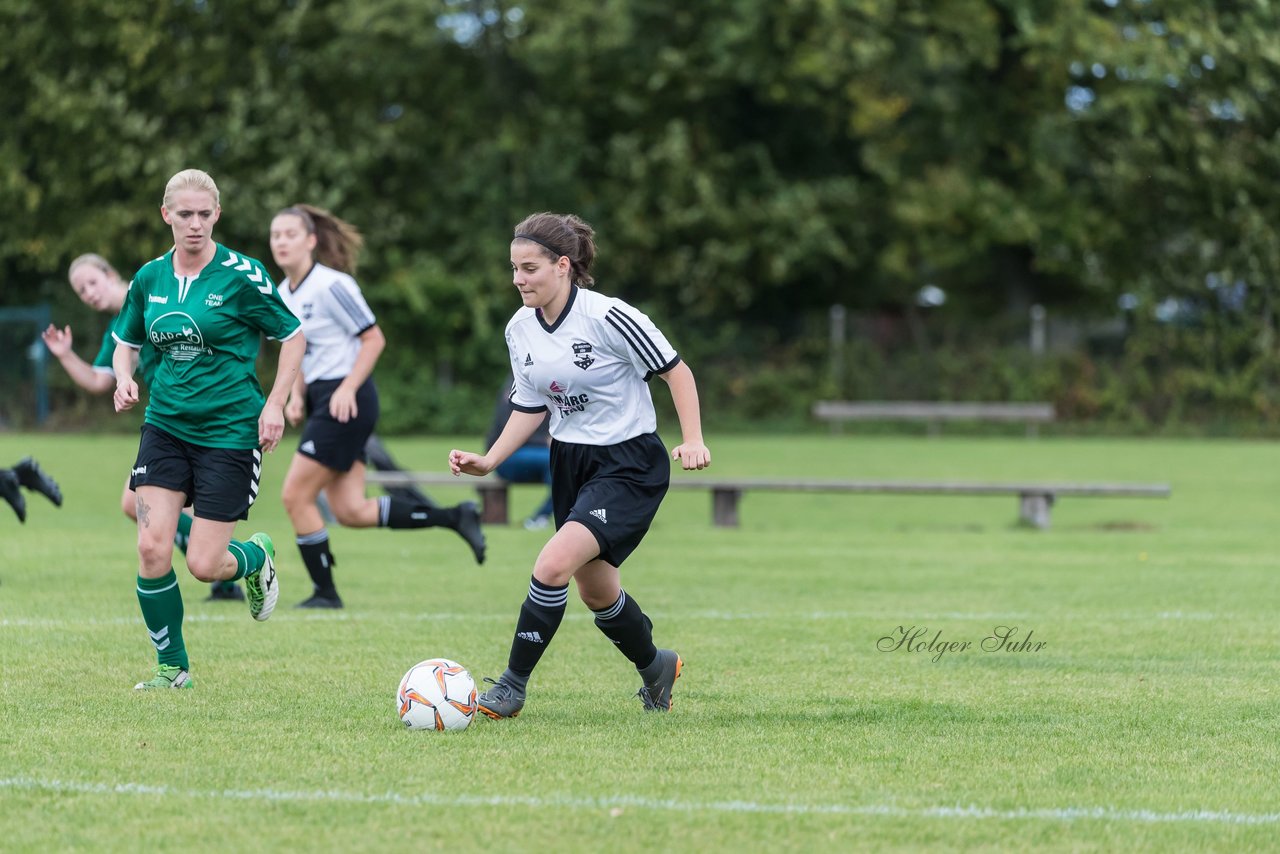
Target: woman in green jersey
(100, 287)
(204, 309)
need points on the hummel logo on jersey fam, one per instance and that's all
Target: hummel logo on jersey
(599, 514)
(139, 470)
(154, 298)
(528, 359)
(243, 265)
(532, 637)
(307, 447)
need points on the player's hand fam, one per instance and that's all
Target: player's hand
(465, 462)
(692, 455)
(342, 404)
(270, 427)
(293, 411)
(57, 340)
(126, 395)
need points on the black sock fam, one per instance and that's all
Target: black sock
(627, 626)
(540, 616)
(319, 561)
(396, 512)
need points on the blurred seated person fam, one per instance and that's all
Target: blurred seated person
(529, 464)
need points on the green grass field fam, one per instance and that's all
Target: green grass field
(1148, 719)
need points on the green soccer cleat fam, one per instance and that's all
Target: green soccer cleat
(167, 676)
(263, 587)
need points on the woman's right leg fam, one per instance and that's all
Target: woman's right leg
(572, 547)
(302, 485)
(157, 510)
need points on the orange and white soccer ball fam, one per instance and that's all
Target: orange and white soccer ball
(437, 694)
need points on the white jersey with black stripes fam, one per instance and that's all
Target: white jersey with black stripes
(590, 369)
(334, 313)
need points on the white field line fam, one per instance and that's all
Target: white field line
(796, 616)
(619, 802)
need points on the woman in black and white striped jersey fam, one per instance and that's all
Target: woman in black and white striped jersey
(317, 252)
(587, 358)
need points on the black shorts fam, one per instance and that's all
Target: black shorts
(615, 490)
(220, 483)
(327, 440)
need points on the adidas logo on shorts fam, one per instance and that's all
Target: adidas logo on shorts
(599, 514)
(307, 447)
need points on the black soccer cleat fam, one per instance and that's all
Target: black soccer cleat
(469, 529)
(33, 477)
(10, 492)
(225, 591)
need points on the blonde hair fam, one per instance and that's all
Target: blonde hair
(95, 260)
(190, 179)
(338, 242)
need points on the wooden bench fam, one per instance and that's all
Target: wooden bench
(934, 412)
(1035, 500)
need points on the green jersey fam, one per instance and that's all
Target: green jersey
(205, 331)
(146, 359)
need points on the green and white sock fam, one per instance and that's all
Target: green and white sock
(183, 536)
(250, 558)
(161, 602)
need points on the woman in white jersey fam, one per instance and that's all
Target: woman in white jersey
(587, 359)
(317, 252)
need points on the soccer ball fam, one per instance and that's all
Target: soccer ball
(437, 694)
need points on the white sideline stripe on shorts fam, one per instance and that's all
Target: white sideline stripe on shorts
(1060, 814)
(505, 616)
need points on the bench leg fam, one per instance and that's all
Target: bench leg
(493, 504)
(724, 507)
(1033, 509)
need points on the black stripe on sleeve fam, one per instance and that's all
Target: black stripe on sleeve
(529, 409)
(636, 337)
(675, 360)
(359, 316)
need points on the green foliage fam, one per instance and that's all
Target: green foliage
(745, 163)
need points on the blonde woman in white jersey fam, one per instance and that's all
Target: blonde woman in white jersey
(587, 358)
(336, 394)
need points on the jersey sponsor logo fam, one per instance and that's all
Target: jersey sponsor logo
(176, 335)
(567, 403)
(528, 359)
(582, 353)
(213, 300)
(600, 514)
(154, 298)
